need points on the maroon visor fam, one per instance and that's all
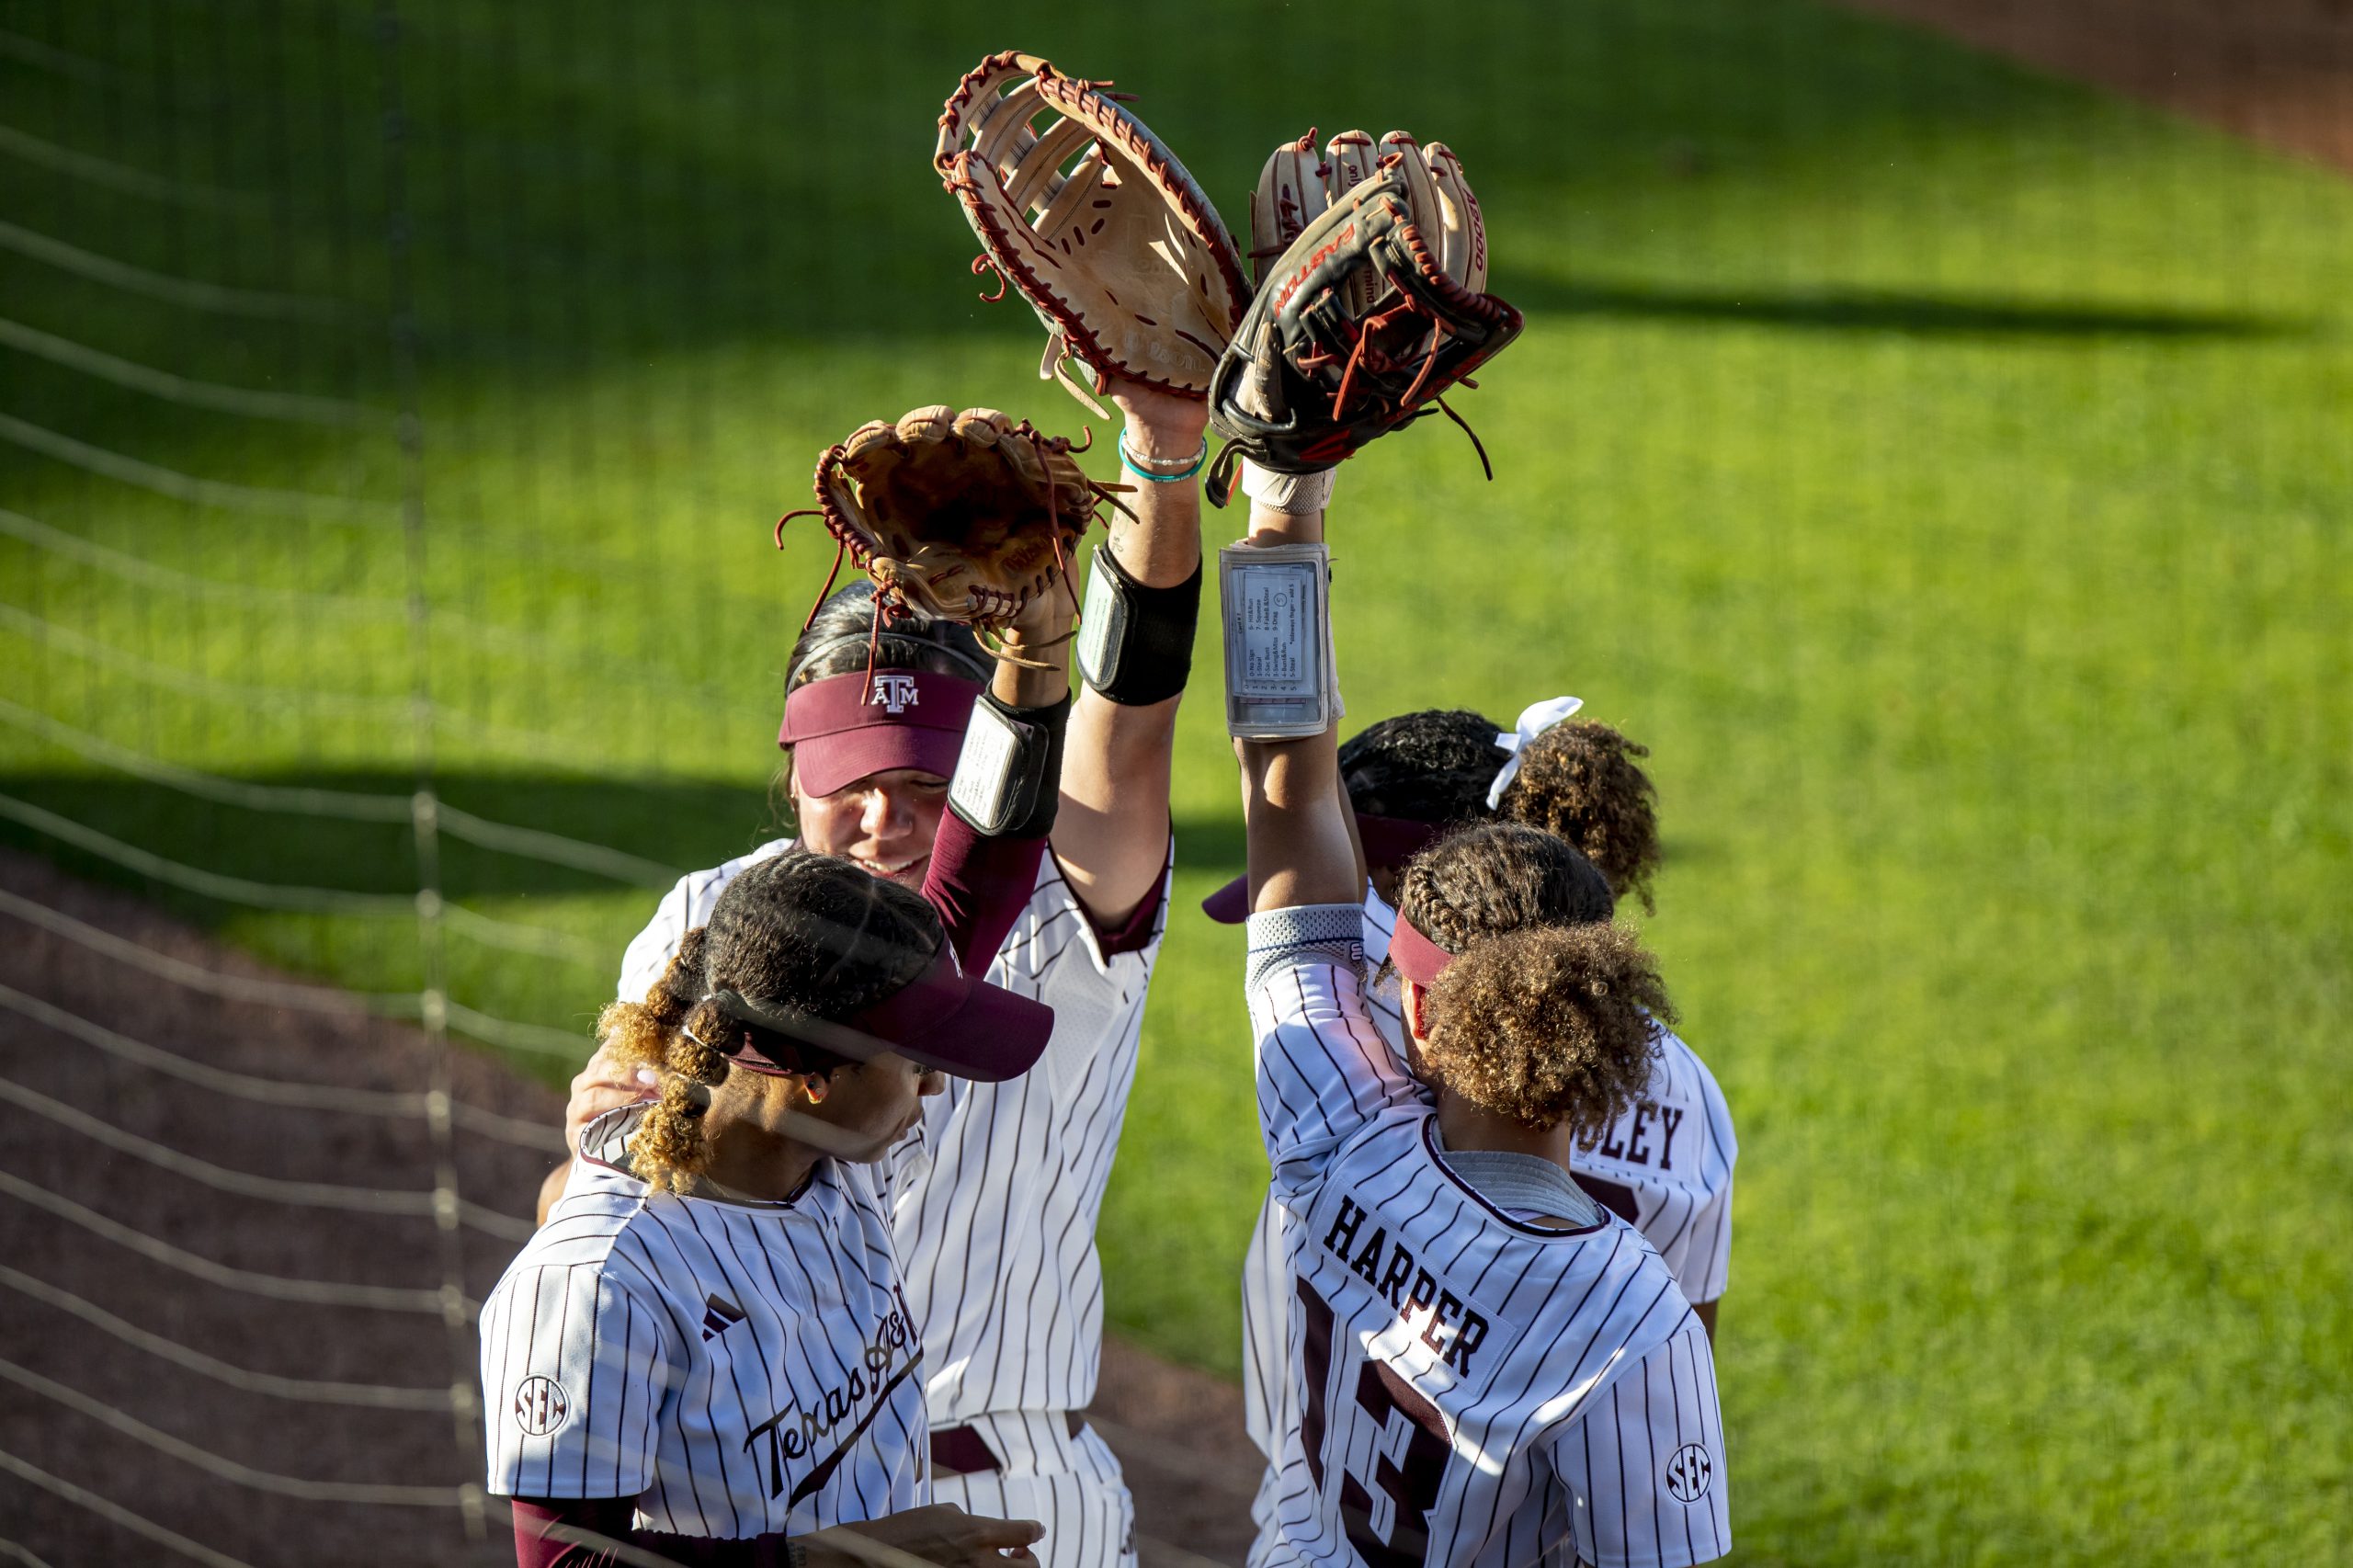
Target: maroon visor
(1388, 841)
(944, 1019)
(844, 727)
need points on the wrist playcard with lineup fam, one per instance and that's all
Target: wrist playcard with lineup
(1274, 600)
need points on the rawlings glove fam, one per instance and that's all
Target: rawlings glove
(1371, 303)
(955, 516)
(1120, 254)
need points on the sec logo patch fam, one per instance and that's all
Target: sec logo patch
(540, 1407)
(1688, 1473)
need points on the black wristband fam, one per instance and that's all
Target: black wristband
(1136, 647)
(1009, 779)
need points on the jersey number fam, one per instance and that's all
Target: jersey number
(1411, 1483)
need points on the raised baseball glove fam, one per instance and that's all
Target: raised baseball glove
(1097, 224)
(1371, 303)
(957, 517)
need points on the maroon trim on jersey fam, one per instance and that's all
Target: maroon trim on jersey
(1388, 841)
(547, 1532)
(1438, 1158)
(1414, 956)
(1134, 934)
(844, 727)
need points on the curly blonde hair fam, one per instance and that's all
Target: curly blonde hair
(667, 1033)
(1548, 1025)
(801, 931)
(1581, 779)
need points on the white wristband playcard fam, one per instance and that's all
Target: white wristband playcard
(1274, 600)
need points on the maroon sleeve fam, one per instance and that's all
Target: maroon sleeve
(979, 886)
(610, 1517)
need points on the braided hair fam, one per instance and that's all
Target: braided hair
(800, 931)
(1547, 1013)
(1436, 765)
(1496, 876)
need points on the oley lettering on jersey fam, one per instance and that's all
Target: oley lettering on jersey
(1453, 1329)
(1636, 1148)
(792, 1433)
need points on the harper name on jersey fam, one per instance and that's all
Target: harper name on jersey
(1449, 1327)
(736, 1368)
(1472, 1388)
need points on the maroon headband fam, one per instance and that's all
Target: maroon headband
(1388, 841)
(841, 728)
(1414, 956)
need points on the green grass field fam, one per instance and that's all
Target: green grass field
(1945, 470)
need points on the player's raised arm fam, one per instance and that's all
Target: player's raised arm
(1323, 1069)
(1300, 841)
(1136, 650)
(1005, 795)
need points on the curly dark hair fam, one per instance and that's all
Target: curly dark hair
(1549, 1025)
(1581, 779)
(1434, 766)
(801, 931)
(838, 639)
(1493, 877)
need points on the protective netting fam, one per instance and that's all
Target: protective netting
(1935, 449)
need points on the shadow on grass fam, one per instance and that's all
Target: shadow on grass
(681, 824)
(1913, 315)
(685, 824)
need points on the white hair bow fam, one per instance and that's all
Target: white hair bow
(1534, 721)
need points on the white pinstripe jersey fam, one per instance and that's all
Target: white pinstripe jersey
(1665, 1167)
(736, 1368)
(1472, 1390)
(994, 1196)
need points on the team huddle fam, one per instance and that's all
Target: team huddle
(819, 1283)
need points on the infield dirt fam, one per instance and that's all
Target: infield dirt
(1179, 1431)
(2279, 72)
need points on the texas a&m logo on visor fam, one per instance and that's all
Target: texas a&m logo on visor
(892, 693)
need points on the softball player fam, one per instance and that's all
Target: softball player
(1667, 1165)
(706, 1352)
(997, 1240)
(1489, 1368)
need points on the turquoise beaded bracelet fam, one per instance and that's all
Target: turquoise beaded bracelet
(1192, 470)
